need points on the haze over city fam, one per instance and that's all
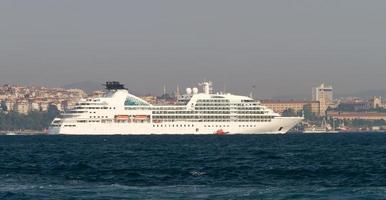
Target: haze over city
(282, 47)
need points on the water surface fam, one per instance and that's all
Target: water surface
(315, 166)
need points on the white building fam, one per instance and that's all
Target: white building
(325, 95)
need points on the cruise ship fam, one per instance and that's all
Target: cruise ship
(119, 112)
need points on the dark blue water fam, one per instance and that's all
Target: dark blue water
(329, 166)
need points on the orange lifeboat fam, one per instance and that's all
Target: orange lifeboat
(141, 117)
(122, 117)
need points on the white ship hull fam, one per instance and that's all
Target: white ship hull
(279, 125)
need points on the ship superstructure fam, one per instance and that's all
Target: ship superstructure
(120, 112)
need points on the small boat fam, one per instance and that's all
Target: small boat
(220, 132)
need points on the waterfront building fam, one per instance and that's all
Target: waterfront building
(280, 106)
(22, 107)
(9, 105)
(98, 93)
(356, 105)
(356, 115)
(376, 102)
(149, 98)
(25, 99)
(34, 106)
(323, 94)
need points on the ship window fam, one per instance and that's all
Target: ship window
(130, 101)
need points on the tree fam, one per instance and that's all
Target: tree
(33, 121)
(308, 115)
(3, 106)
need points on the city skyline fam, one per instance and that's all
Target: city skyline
(281, 47)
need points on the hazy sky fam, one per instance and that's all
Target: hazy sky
(282, 47)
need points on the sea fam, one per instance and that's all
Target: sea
(290, 166)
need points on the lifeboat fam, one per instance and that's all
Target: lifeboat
(141, 117)
(121, 117)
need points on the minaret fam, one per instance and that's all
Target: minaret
(251, 93)
(178, 91)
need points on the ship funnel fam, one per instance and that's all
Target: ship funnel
(189, 91)
(195, 90)
(114, 85)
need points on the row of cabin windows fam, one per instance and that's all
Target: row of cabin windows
(210, 116)
(209, 112)
(98, 117)
(185, 125)
(191, 112)
(96, 108)
(69, 125)
(216, 126)
(191, 120)
(138, 108)
(169, 108)
(212, 104)
(213, 100)
(250, 126)
(173, 112)
(87, 104)
(247, 100)
(85, 121)
(228, 108)
(211, 120)
(190, 116)
(212, 108)
(197, 107)
(247, 108)
(173, 125)
(214, 112)
(254, 116)
(76, 111)
(249, 112)
(244, 104)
